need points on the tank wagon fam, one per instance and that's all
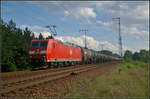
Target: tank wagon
(91, 56)
(56, 53)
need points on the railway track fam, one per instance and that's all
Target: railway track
(19, 74)
(17, 83)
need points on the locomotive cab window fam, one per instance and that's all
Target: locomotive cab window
(35, 45)
(43, 44)
(39, 44)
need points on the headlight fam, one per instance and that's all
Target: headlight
(31, 52)
(43, 52)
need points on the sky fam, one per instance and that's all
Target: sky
(95, 16)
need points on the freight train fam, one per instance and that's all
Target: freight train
(56, 53)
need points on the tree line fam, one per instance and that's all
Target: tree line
(15, 43)
(142, 55)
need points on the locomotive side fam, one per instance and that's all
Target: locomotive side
(62, 53)
(53, 52)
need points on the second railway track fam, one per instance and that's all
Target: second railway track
(29, 81)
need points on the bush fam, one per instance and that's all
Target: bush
(134, 64)
(8, 67)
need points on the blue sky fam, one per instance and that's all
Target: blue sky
(70, 17)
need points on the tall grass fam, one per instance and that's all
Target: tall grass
(127, 80)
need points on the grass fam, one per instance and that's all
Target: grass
(131, 81)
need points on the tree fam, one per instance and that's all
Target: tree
(49, 37)
(27, 38)
(41, 36)
(15, 43)
(128, 55)
(116, 55)
(107, 52)
(32, 36)
(12, 25)
(144, 55)
(136, 56)
(1, 21)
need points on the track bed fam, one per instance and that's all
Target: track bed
(34, 79)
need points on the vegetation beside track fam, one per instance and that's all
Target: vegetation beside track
(129, 79)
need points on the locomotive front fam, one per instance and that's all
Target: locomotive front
(37, 52)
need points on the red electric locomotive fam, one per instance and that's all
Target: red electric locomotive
(54, 52)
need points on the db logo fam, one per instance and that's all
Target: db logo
(70, 52)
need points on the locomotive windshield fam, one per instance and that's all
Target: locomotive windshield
(39, 44)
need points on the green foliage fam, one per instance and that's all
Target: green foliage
(133, 64)
(106, 52)
(8, 65)
(14, 46)
(128, 55)
(115, 55)
(136, 56)
(41, 36)
(142, 56)
(49, 37)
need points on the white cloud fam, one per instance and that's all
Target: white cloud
(107, 24)
(132, 29)
(83, 12)
(70, 8)
(37, 30)
(104, 3)
(109, 45)
(123, 6)
(140, 12)
(91, 42)
(126, 9)
(66, 13)
(34, 27)
(45, 34)
(130, 12)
